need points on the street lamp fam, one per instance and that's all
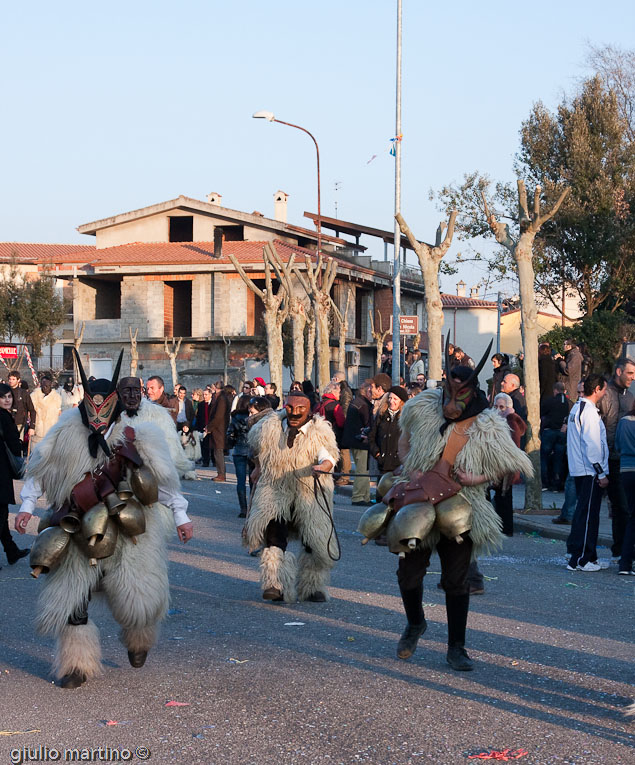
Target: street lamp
(269, 116)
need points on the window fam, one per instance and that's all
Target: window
(182, 228)
(177, 309)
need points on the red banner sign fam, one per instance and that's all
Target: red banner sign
(9, 351)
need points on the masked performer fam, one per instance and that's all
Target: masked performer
(111, 488)
(293, 497)
(452, 445)
(137, 409)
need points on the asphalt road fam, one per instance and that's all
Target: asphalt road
(320, 683)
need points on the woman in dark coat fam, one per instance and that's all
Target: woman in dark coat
(383, 438)
(236, 440)
(500, 362)
(7, 497)
(503, 492)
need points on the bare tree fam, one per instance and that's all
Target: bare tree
(342, 318)
(429, 259)
(296, 308)
(172, 354)
(521, 249)
(317, 285)
(310, 343)
(274, 316)
(379, 336)
(134, 352)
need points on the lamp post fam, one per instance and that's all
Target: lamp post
(269, 116)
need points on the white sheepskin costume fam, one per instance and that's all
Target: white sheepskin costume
(490, 451)
(286, 492)
(159, 416)
(134, 579)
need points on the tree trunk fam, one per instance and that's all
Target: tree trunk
(434, 312)
(134, 352)
(274, 346)
(323, 310)
(298, 322)
(529, 318)
(310, 346)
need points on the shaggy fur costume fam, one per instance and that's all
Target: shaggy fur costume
(159, 416)
(490, 451)
(134, 579)
(286, 492)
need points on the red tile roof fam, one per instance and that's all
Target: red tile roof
(28, 252)
(456, 301)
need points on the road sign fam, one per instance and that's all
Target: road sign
(408, 325)
(9, 351)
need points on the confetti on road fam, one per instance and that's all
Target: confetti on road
(571, 584)
(110, 723)
(177, 704)
(237, 661)
(173, 611)
(505, 754)
(490, 578)
(218, 492)
(515, 663)
(429, 605)
(350, 639)
(294, 624)
(18, 732)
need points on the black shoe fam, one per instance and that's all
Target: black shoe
(317, 597)
(73, 680)
(407, 644)
(15, 558)
(477, 589)
(137, 658)
(382, 541)
(458, 659)
(273, 594)
(242, 515)
(561, 521)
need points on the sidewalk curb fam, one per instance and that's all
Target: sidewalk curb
(522, 523)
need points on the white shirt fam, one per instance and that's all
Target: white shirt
(323, 454)
(586, 441)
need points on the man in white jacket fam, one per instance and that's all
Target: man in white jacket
(588, 455)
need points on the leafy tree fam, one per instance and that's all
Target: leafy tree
(603, 333)
(12, 300)
(29, 309)
(587, 147)
(44, 312)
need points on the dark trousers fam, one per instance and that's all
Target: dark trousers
(586, 520)
(277, 535)
(628, 546)
(10, 547)
(455, 564)
(619, 513)
(553, 445)
(503, 504)
(240, 465)
(206, 447)
(219, 461)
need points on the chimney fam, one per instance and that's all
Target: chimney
(214, 198)
(280, 206)
(474, 291)
(460, 288)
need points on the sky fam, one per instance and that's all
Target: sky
(115, 106)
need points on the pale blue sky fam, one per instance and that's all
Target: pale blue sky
(114, 106)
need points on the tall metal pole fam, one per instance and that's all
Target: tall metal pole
(396, 280)
(499, 311)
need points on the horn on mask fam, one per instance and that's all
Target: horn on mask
(80, 367)
(115, 376)
(480, 364)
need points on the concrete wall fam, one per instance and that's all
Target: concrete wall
(154, 228)
(475, 327)
(202, 305)
(229, 305)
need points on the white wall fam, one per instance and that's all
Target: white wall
(475, 327)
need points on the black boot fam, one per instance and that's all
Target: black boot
(457, 607)
(72, 680)
(242, 501)
(137, 658)
(407, 644)
(416, 622)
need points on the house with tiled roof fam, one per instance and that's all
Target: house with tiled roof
(163, 271)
